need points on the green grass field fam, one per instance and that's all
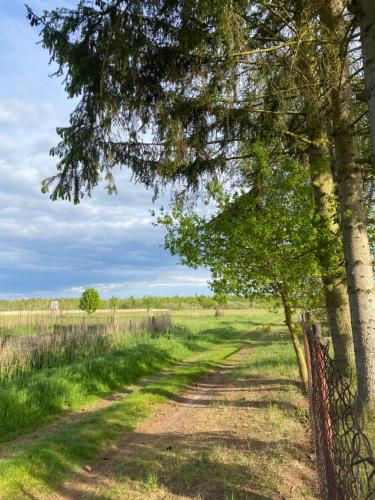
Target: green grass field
(30, 402)
(22, 323)
(33, 397)
(31, 322)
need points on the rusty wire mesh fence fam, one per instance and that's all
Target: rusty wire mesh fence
(344, 457)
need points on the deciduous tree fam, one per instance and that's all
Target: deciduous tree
(178, 91)
(89, 301)
(256, 241)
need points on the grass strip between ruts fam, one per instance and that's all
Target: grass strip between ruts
(44, 467)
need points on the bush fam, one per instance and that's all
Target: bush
(90, 300)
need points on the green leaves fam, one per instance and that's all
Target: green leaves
(150, 77)
(90, 300)
(251, 250)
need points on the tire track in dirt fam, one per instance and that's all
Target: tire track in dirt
(186, 422)
(9, 449)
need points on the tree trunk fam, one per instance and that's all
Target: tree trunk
(330, 255)
(358, 259)
(365, 13)
(302, 367)
(329, 251)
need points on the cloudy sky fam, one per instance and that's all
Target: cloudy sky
(54, 248)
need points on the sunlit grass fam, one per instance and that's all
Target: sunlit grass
(44, 467)
(33, 400)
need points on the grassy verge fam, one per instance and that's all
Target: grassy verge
(34, 398)
(245, 438)
(42, 468)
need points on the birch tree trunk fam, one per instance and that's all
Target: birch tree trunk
(358, 259)
(365, 13)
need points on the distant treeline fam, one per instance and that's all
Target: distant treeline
(147, 302)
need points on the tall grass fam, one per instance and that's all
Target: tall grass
(62, 372)
(69, 341)
(36, 322)
(31, 397)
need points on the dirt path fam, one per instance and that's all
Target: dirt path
(8, 450)
(225, 438)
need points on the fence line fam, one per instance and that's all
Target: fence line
(345, 461)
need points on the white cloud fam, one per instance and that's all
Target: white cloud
(54, 248)
(25, 114)
(141, 282)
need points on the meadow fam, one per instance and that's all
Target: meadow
(136, 303)
(73, 359)
(44, 375)
(41, 408)
(36, 322)
(31, 340)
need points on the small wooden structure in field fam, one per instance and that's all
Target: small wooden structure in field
(55, 306)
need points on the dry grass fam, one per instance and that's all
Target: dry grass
(71, 339)
(14, 323)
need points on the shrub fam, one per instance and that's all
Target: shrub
(90, 300)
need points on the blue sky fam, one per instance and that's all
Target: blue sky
(54, 248)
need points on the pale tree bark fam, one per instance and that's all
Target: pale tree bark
(365, 13)
(358, 259)
(300, 356)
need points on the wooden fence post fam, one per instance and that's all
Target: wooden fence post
(322, 420)
(305, 325)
